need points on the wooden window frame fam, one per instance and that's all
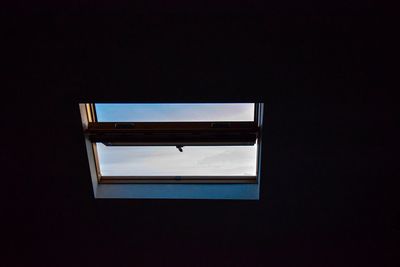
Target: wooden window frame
(209, 133)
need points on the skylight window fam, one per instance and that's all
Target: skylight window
(132, 145)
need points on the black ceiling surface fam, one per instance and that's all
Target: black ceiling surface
(329, 152)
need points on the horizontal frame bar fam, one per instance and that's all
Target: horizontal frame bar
(170, 126)
(177, 179)
(150, 133)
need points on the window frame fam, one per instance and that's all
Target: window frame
(101, 131)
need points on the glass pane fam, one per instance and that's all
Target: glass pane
(168, 161)
(175, 112)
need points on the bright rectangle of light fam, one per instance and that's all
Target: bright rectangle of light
(168, 161)
(179, 112)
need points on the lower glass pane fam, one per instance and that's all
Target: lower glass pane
(169, 161)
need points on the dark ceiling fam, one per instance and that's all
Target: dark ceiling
(330, 144)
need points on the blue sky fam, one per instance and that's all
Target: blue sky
(175, 112)
(167, 160)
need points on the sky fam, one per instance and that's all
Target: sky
(175, 112)
(167, 160)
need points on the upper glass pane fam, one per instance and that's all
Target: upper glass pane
(175, 112)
